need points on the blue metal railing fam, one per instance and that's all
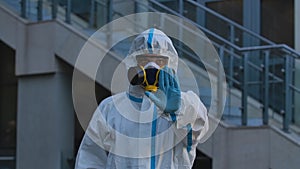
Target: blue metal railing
(267, 51)
(230, 23)
(263, 71)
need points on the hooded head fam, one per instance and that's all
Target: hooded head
(152, 42)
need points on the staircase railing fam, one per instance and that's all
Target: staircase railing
(256, 66)
(266, 68)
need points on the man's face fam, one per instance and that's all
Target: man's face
(161, 61)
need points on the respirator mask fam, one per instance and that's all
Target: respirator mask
(147, 76)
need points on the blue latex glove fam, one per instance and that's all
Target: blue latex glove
(168, 95)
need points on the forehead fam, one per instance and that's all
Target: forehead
(150, 57)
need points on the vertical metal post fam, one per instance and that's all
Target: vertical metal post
(40, 10)
(68, 12)
(54, 9)
(252, 21)
(231, 34)
(245, 89)
(231, 67)
(221, 53)
(220, 82)
(92, 14)
(109, 4)
(288, 103)
(200, 18)
(232, 40)
(24, 8)
(136, 7)
(180, 9)
(266, 88)
(109, 11)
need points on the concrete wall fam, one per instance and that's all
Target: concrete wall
(45, 108)
(69, 43)
(45, 117)
(34, 43)
(251, 147)
(9, 27)
(236, 147)
(45, 130)
(45, 114)
(284, 150)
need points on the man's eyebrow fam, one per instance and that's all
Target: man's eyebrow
(145, 57)
(162, 57)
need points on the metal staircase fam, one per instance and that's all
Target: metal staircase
(260, 74)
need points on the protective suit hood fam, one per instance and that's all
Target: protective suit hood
(153, 42)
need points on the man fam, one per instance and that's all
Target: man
(152, 125)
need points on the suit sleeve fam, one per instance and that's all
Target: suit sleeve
(192, 116)
(90, 155)
(92, 151)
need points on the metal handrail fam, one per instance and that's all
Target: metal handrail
(241, 49)
(266, 47)
(230, 21)
(7, 158)
(227, 42)
(281, 47)
(232, 49)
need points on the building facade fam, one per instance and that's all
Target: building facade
(40, 41)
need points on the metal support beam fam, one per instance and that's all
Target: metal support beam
(266, 88)
(245, 89)
(231, 34)
(251, 20)
(92, 14)
(287, 93)
(297, 62)
(68, 11)
(40, 10)
(232, 40)
(201, 13)
(181, 11)
(180, 6)
(136, 7)
(54, 9)
(220, 83)
(297, 24)
(23, 8)
(221, 53)
(110, 11)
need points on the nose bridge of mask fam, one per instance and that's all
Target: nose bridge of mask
(152, 64)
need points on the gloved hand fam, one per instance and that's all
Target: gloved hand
(168, 95)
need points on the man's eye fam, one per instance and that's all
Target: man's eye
(160, 61)
(142, 62)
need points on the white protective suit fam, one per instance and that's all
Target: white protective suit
(128, 130)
